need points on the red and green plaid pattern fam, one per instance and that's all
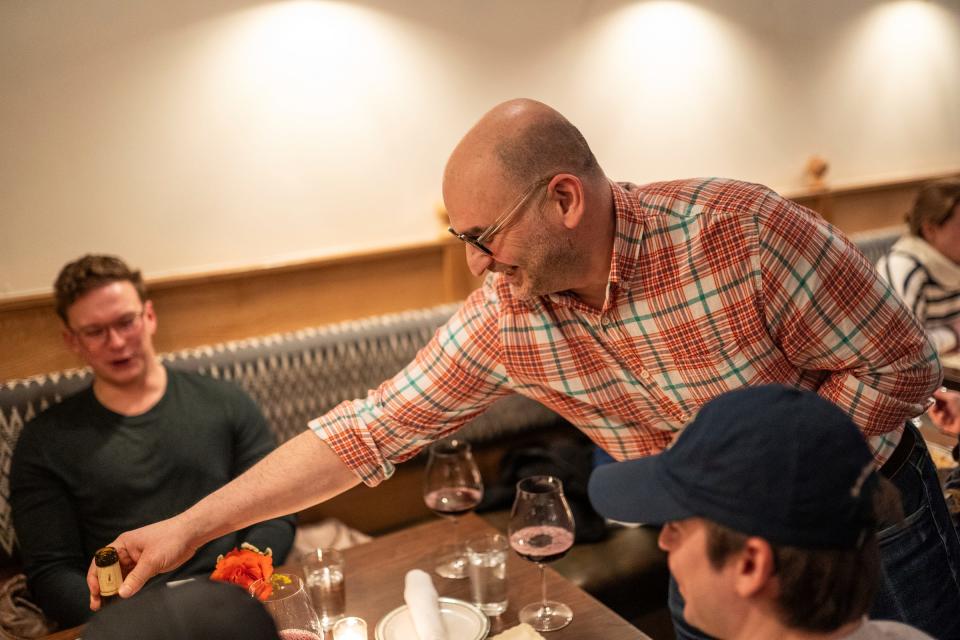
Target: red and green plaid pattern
(714, 284)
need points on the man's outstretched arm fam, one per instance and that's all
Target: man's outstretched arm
(300, 473)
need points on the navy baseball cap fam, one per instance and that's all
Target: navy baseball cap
(768, 461)
(197, 610)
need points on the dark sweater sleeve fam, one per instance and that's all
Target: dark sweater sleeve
(253, 440)
(48, 534)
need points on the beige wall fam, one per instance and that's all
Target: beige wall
(191, 135)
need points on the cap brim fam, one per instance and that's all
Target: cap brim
(635, 491)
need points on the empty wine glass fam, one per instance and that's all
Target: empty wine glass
(541, 530)
(289, 605)
(452, 487)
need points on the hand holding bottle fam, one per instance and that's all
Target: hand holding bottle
(142, 554)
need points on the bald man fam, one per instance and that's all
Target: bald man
(624, 309)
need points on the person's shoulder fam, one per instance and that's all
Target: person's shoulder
(203, 382)
(49, 425)
(691, 196)
(889, 630)
(62, 412)
(484, 306)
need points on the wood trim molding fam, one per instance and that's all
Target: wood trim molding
(211, 307)
(866, 204)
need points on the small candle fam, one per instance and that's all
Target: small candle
(350, 628)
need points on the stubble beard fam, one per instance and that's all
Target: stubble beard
(552, 266)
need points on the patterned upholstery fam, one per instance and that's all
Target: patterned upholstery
(293, 377)
(877, 242)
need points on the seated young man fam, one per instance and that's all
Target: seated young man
(142, 442)
(769, 502)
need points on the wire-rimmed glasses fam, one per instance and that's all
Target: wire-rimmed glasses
(479, 241)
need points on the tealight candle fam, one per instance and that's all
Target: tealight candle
(350, 628)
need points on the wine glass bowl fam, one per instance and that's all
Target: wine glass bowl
(452, 487)
(287, 602)
(541, 530)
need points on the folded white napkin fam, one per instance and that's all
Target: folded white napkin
(421, 598)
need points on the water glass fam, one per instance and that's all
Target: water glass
(487, 568)
(323, 572)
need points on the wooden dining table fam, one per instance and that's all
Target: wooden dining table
(374, 577)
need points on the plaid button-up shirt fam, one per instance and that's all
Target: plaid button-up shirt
(714, 285)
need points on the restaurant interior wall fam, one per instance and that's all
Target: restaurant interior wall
(299, 144)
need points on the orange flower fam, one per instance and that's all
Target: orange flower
(243, 567)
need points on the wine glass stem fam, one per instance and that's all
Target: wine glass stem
(456, 534)
(543, 586)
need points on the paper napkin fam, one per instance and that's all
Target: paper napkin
(422, 601)
(522, 631)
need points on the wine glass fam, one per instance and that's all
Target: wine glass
(541, 530)
(289, 605)
(452, 487)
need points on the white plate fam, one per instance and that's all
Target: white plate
(462, 621)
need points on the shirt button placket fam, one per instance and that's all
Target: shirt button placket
(670, 406)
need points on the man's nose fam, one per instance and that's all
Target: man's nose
(478, 261)
(114, 337)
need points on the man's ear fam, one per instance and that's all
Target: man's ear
(755, 567)
(566, 191)
(70, 339)
(928, 230)
(149, 317)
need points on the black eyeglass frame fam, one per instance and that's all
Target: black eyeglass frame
(478, 242)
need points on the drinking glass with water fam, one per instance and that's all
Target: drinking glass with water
(323, 574)
(487, 567)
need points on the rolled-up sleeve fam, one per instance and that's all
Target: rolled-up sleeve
(454, 378)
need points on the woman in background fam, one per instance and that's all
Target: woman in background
(923, 267)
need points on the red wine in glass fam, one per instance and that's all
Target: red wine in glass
(453, 502)
(541, 530)
(542, 544)
(451, 487)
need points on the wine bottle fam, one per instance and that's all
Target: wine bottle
(108, 574)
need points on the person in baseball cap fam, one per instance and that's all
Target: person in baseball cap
(196, 610)
(769, 500)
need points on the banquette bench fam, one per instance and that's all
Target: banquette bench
(297, 376)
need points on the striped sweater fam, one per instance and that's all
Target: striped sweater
(929, 283)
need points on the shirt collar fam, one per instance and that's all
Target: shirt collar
(627, 235)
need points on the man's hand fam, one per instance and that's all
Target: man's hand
(945, 413)
(300, 473)
(144, 553)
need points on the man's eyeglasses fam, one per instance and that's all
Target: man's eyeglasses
(479, 241)
(97, 335)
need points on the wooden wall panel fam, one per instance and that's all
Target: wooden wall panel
(866, 206)
(212, 307)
